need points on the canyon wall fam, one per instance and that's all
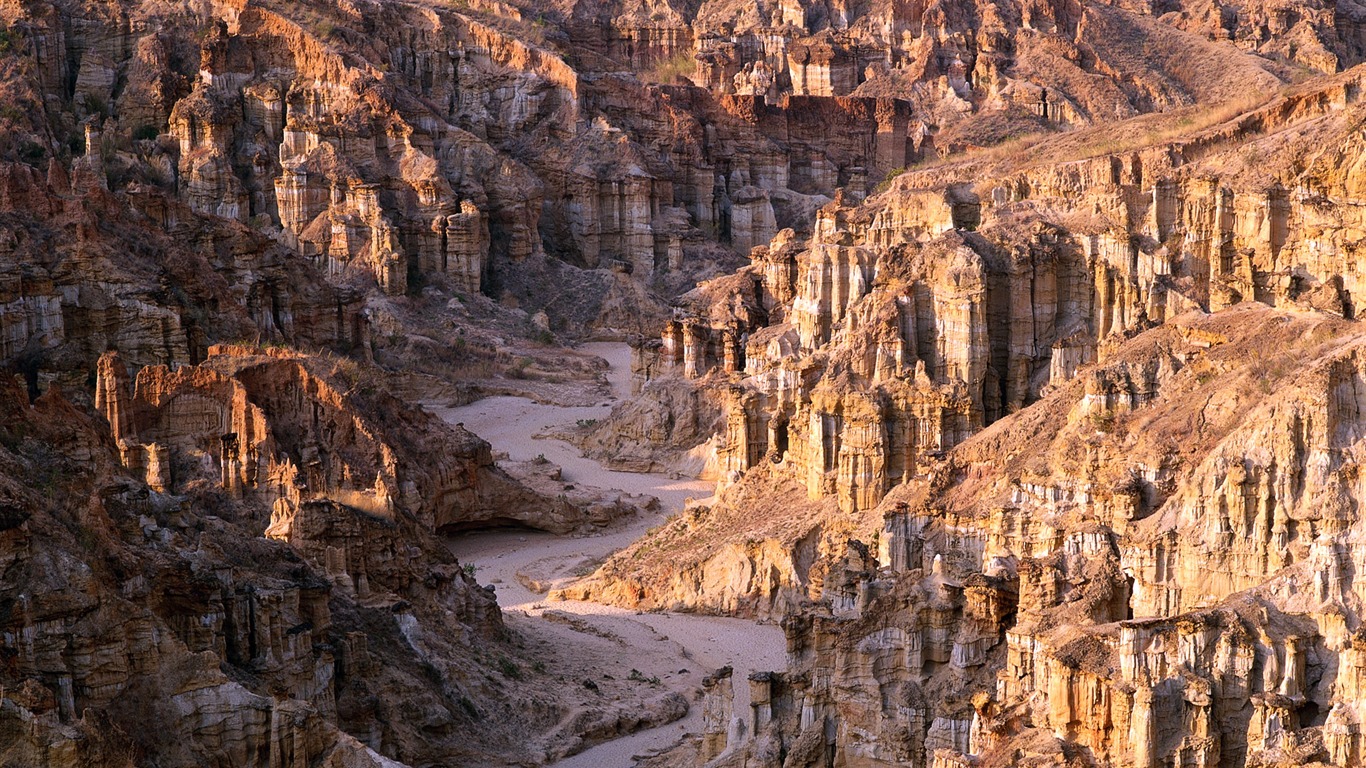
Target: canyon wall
(1091, 427)
(1044, 450)
(492, 148)
(906, 324)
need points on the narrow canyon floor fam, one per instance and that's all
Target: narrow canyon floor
(523, 565)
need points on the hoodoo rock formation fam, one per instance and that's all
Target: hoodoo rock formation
(1022, 341)
(907, 323)
(1124, 573)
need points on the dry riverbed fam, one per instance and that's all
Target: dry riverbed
(676, 650)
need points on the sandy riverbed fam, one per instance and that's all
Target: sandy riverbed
(660, 645)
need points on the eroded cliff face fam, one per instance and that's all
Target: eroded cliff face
(610, 148)
(907, 323)
(1067, 538)
(1026, 64)
(315, 169)
(1150, 564)
(283, 429)
(406, 146)
(1044, 453)
(1091, 428)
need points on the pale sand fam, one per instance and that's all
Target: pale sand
(706, 643)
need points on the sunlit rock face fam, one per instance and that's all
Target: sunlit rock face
(1066, 535)
(938, 307)
(1091, 420)
(1149, 563)
(448, 144)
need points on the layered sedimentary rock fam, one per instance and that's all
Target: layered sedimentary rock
(907, 323)
(756, 565)
(241, 552)
(407, 160)
(1094, 425)
(99, 661)
(1148, 565)
(1080, 507)
(668, 429)
(87, 272)
(409, 157)
(286, 430)
(992, 433)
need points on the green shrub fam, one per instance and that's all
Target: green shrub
(509, 668)
(886, 182)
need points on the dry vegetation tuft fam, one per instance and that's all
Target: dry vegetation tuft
(668, 71)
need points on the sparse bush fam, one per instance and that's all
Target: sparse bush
(670, 70)
(886, 182)
(145, 133)
(1103, 421)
